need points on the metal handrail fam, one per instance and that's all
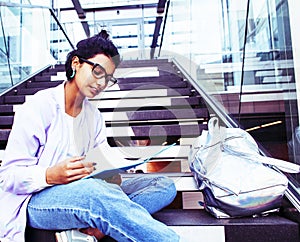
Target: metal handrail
(164, 26)
(60, 26)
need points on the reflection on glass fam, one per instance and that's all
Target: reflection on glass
(30, 41)
(221, 56)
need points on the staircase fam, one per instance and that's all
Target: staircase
(152, 106)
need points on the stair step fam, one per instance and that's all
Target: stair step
(197, 225)
(156, 79)
(154, 85)
(137, 103)
(144, 131)
(136, 72)
(7, 109)
(123, 83)
(136, 93)
(170, 114)
(4, 133)
(6, 121)
(145, 63)
(116, 94)
(270, 228)
(17, 99)
(149, 131)
(135, 63)
(178, 115)
(35, 84)
(112, 105)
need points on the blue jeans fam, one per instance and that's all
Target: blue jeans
(122, 212)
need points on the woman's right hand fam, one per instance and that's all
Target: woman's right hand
(69, 170)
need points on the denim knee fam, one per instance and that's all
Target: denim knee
(152, 192)
(168, 186)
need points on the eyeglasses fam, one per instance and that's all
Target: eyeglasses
(99, 72)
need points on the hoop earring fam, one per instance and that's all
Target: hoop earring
(73, 73)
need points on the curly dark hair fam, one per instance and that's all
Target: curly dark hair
(88, 48)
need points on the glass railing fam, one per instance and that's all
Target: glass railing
(240, 54)
(31, 39)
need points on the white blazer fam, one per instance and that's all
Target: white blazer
(39, 138)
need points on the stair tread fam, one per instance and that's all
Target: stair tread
(146, 131)
(120, 94)
(199, 217)
(193, 223)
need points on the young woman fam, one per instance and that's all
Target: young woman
(41, 173)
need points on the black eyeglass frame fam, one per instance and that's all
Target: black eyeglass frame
(108, 78)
